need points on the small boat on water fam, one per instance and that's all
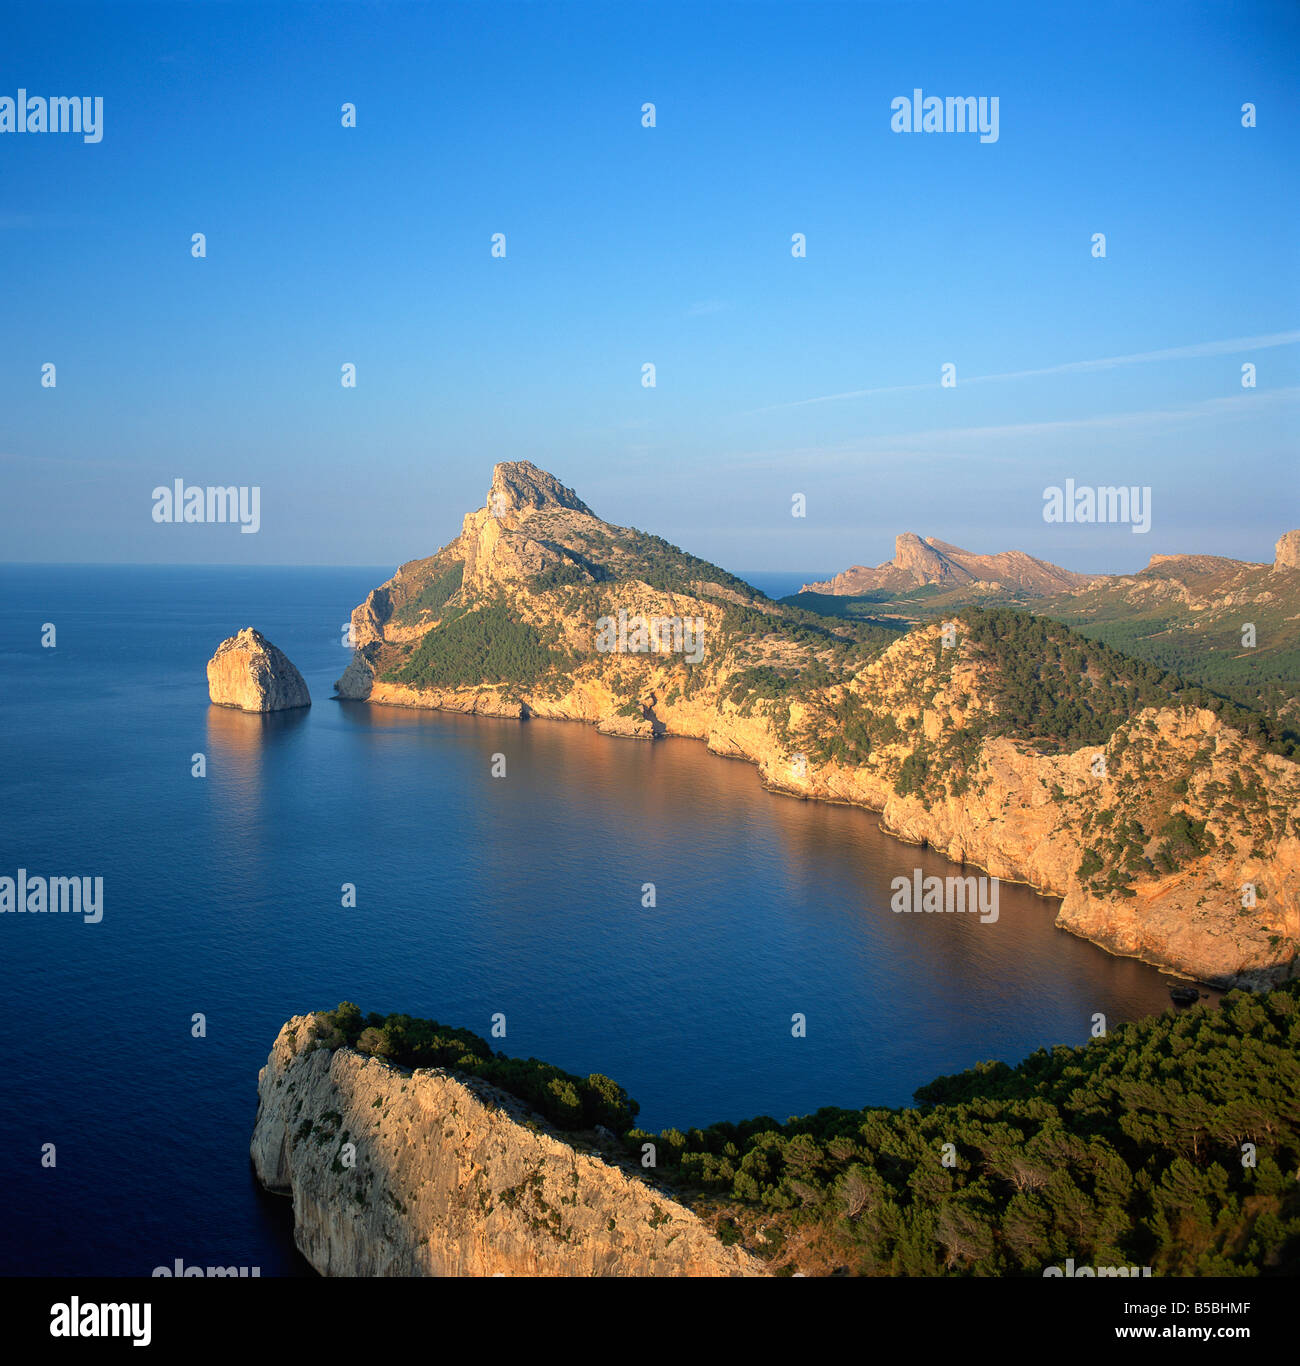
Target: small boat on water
(1184, 996)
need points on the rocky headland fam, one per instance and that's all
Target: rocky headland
(1164, 818)
(1126, 1151)
(432, 1172)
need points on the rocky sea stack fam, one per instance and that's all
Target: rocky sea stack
(249, 673)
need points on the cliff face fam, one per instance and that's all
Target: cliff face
(249, 673)
(453, 1177)
(1286, 554)
(1172, 837)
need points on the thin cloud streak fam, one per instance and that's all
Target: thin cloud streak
(1197, 351)
(899, 445)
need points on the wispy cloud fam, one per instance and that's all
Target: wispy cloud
(1242, 404)
(1198, 351)
(953, 443)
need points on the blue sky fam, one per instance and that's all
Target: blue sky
(670, 245)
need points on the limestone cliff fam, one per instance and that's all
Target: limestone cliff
(453, 1177)
(1166, 823)
(249, 673)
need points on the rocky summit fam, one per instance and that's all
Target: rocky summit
(249, 673)
(435, 1173)
(1165, 817)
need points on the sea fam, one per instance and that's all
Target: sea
(129, 1087)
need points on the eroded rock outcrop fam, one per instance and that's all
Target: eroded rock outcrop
(1286, 554)
(453, 1177)
(251, 674)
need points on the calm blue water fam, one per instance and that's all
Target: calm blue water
(475, 895)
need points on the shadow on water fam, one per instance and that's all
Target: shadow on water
(275, 1213)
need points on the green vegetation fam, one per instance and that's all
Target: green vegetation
(1260, 680)
(1182, 838)
(923, 603)
(1043, 684)
(847, 730)
(566, 1100)
(1201, 646)
(1053, 683)
(487, 645)
(671, 569)
(758, 682)
(762, 682)
(572, 570)
(1199, 637)
(433, 596)
(1125, 1152)
(850, 641)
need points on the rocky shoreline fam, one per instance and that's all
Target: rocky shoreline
(1166, 930)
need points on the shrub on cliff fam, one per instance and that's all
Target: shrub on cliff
(567, 1101)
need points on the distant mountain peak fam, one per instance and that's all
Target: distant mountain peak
(919, 562)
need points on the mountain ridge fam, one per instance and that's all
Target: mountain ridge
(927, 561)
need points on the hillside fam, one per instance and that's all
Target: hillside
(1017, 745)
(1187, 613)
(504, 620)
